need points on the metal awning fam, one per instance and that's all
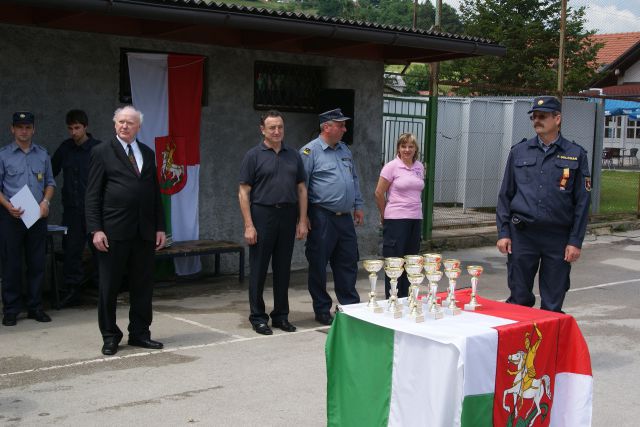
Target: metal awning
(617, 107)
(194, 21)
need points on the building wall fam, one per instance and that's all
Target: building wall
(50, 71)
(631, 75)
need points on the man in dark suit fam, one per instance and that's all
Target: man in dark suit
(124, 214)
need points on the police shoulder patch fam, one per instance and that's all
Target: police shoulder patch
(306, 151)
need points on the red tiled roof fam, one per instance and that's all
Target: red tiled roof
(622, 90)
(615, 44)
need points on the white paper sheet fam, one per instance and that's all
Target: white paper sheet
(23, 199)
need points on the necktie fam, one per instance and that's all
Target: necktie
(132, 159)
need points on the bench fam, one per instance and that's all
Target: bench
(205, 247)
(176, 250)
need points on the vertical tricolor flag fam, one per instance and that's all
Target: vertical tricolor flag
(167, 89)
(515, 367)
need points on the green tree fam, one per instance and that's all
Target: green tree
(529, 29)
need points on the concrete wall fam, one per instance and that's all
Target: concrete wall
(49, 72)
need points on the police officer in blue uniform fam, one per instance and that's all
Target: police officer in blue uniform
(72, 158)
(334, 193)
(23, 163)
(543, 208)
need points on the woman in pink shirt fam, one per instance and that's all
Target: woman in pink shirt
(401, 181)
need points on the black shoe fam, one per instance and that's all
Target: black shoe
(110, 348)
(39, 316)
(324, 318)
(145, 343)
(10, 319)
(263, 329)
(284, 325)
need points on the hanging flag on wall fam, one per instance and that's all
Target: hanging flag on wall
(167, 89)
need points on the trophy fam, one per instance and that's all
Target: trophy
(413, 259)
(433, 309)
(448, 265)
(474, 271)
(453, 275)
(415, 312)
(412, 269)
(394, 262)
(432, 258)
(393, 308)
(373, 266)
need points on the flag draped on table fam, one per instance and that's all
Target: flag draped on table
(168, 90)
(472, 372)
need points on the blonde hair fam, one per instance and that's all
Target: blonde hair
(407, 138)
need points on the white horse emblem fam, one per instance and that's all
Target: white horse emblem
(525, 389)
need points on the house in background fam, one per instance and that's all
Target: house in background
(619, 82)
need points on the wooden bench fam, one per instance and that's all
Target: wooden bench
(205, 247)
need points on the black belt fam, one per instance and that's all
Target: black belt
(278, 205)
(329, 211)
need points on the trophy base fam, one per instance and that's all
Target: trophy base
(453, 311)
(435, 315)
(377, 309)
(472, 307)
(395, 314)
(419, 318)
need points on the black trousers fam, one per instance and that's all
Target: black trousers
(18, 242)
(332, 239)
(400, 237)
(538, 250)
(73, 244)
(134, 258)
(276, 228)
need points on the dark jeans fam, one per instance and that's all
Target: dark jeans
(73, 244)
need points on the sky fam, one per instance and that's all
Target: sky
(605, 16)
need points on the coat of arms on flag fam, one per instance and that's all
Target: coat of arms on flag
(172, 162)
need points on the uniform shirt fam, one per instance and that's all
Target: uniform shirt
(273, 177)
(548, 189)
(18, 168)
(73, 161)
(404, 196)
(332, 182)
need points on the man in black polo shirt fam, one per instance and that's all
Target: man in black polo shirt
(273, 201)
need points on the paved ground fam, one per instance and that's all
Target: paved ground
(216, 371)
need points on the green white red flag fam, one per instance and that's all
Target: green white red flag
(461, 371)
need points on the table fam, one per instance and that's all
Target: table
(205, 247)
(465, 370)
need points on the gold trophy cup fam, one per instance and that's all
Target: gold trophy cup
(393, 308)
(475, 271)
(412, 269)
(415, 312)
(433, 309)
(373, 266)
(453, 275)
(448, 265)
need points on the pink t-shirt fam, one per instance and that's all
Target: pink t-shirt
(405, 189)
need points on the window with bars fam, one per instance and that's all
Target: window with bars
(286, 87)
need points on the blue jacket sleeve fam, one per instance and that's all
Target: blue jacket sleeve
(505, 195)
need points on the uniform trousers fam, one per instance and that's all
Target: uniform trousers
(18, 242)
(332, 239)
(541, 250)
(133, 258)
(400, 237)
(276, 228)
(73, 244)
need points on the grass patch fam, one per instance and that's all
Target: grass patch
(619, 192)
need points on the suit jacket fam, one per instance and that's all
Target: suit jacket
(118, 202)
